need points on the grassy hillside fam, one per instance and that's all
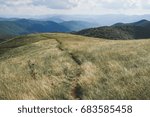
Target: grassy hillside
(64, 66)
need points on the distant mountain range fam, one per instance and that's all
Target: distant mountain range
(11, 27)
(100, 20)
(77, 25)
(14, 27)
(136, 30)
(23, 26)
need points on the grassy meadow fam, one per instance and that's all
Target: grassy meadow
(54, 66)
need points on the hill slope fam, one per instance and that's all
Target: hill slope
(64, 66)
(137, 30)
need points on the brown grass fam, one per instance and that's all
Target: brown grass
(64, 66)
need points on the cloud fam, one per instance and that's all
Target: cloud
(16, 2)
(125, 4)
(122, 4)
(39, 7)
(57, 4)
(146, 4)
(53, 4)
(20, 8)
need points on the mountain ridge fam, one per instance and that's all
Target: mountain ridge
(17, 27)
(14, 27)
(136, 30)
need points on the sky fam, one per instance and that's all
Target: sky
(31, 8)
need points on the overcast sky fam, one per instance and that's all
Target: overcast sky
(21, 8)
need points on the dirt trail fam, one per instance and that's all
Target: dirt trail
(76, 90)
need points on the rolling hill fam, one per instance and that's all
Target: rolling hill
(64, 66)
(136, 30)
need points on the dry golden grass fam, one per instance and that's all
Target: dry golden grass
(64, 66)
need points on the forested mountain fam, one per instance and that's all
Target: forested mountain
(136, 30)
